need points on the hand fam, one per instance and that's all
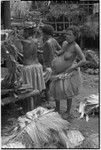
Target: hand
(49, 70)
(70, 70)
(55, 77)
(60, 76)
(47, 74)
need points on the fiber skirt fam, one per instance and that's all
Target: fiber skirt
(33, 75)
(67, 87)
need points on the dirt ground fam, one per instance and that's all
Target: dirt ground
(90, 86)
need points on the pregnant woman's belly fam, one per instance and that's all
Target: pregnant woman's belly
(60, 65)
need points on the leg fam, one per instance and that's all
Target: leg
(47, 91)
(46, 96)
(32, 103)
(57, 105)
(67, 114)
(38, 101)
(32, 106)
(69, 104)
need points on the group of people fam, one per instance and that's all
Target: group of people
(59, 73)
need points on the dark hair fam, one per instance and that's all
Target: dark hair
(27, 32)
(75, 30)
(47, 29)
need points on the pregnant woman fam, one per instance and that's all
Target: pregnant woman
(66, 79)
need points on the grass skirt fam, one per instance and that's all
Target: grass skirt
(66, 87)
(33, 75)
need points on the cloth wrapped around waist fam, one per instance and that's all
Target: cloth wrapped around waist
(33, 75)
(49, 75)
(65, 85)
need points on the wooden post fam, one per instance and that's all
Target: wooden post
(6, 14)
(63, 22)
(55, 25)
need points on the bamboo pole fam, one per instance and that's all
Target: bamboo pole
(6, 14)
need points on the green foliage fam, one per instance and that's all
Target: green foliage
(34, 11)
(72, 11)
(63, 9)
(89, 30)
(24, 10)
(19, 9)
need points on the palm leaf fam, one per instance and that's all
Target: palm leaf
(19, 8)
(14, 145)
(36, 132)
(90, 103)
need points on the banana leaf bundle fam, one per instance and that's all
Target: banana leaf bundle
(42, 128)
(13, 78)
(90, 104)
(11, 54)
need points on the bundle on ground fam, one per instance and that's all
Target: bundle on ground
(41, 128)
(90, 104)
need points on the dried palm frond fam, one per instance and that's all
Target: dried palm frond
(91, 142)
(9, 52)
(14, 145)
(88, 105)
(36, 128)
(75, 137)
(42, 128)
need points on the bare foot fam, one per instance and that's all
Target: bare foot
(57, 110)
(69, 117)
(66, 113)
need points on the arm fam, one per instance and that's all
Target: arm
(57, 47)
(47, 55)
(60, 52)
(64, 47)
(82, 58)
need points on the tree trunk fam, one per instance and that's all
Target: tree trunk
(6, 15)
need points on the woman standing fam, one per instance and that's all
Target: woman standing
(32, 70)
(50, 50)
(66, 72)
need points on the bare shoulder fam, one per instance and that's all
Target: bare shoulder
(76, 46)
(79, 52)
